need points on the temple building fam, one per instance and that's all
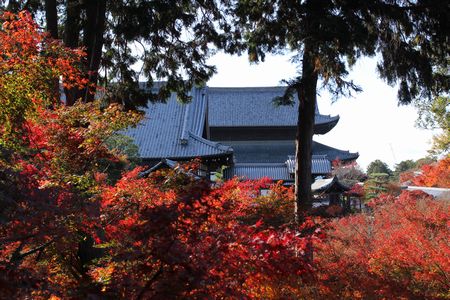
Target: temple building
(239, 128)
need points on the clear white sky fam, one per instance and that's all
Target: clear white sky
(371, 122)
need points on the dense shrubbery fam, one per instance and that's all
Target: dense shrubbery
(172, 235)
(400, 250)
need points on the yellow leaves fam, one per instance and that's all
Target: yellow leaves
(45, 184)
(102, 275)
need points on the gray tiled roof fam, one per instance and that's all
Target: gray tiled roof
(276, 152)
(319, 164)
(323, 185)
(276, 171)
(172, 130)
(333, 153)
(253, 107)
(256, 171)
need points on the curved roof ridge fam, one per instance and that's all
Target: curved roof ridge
(334, 153)
(197, 114)
(259, 164)
(323, 185)
(323, 145)
(329, 117)
(220, 88)
(219, 146)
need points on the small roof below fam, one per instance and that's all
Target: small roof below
(276, 171)
(253, 107)
(166, 164)
(276, 151)
(163, 164)
(328, 185)
(435, 192)
(320, 165)
(333, 153)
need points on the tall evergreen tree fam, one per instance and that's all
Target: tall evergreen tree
(171, 39)
(408, 38)
(378, 166)
(403, 166)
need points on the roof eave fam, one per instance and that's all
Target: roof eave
(325, 127)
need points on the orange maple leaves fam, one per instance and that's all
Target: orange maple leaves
(434, 175)
(401, 250)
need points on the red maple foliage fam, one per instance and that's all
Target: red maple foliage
(434, 175)
(181, 238)
(30, 66)
(50, 158)
(398, 251)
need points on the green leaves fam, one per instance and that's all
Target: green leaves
(435, 114)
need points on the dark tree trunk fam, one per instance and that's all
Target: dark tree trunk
(13, 5)
(71, 39)
(305, 130)
(51, 18)
(93, 41)
(72, 25)
(93, 30)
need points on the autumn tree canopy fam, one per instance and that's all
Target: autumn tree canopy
(29, 61)
(357, 261)
(435, 174)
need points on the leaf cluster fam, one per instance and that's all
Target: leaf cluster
(433, 175)
(28, 62)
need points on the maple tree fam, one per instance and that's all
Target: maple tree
(171, 228)
(400, 250)
(29, 60)
(51, 161)
(434, 175)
